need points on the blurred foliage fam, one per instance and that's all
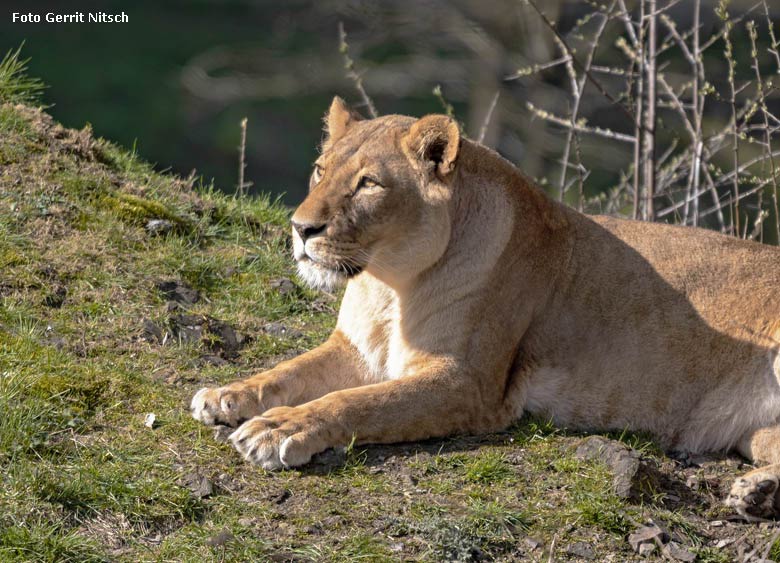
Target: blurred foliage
(177, 79)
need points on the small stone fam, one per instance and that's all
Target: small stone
(187, 328)
(676, 551)
(647, 534)
(150, 419)
(284, 286)
(152, 332)
(224, 339)
(626, 465)
(647, 549)
(156, 227)
(219, 539)
(533, 543)
(178, 291)
(724, 542)
(716, 523)
(396, 547)
(247, 522)
(581, 549)
(200, 485)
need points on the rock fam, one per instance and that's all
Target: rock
(156, 227)
(647, 534)
(284, 286)
(693, 482)
(677, 552)
(219, 539)
(178, 291)
(228, 341)
(581, 549)
(533, 543)
(187, 328)
(218, 336)
(152, 332)
(647, 549)
(199, 485)
(631, 475)
(150, 419)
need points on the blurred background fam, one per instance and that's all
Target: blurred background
(177, 79)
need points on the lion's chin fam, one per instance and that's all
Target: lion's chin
(319, 277)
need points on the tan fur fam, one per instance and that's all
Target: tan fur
(472, 297)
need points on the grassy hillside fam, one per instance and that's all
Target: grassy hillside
(122, 291)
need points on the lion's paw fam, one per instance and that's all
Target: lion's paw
(225, 405)
(755, 495)
(280, 438)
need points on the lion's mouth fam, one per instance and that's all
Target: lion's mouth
(344, 267)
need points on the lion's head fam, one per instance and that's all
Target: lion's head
(378, 198)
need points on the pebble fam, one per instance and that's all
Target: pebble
(647, 549)
(646, 534)
(581, 549)
(150, 419)
(679, 553)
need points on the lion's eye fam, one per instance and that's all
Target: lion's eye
(318, 172)
(366, 182)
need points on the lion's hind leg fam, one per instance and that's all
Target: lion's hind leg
(756, 495)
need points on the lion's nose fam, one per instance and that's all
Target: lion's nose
(308, 230)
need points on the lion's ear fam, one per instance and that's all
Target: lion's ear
(435, 141)
(339, 118)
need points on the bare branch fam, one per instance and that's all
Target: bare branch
(576, 63)
(488, 116)
(349, 65)
(580, 126)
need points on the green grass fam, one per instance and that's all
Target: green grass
(15, 86)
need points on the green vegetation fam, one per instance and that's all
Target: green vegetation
(15, 86)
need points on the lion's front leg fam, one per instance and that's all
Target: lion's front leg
(329, 367)
(433, 404)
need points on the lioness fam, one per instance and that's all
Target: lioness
(472, 297)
